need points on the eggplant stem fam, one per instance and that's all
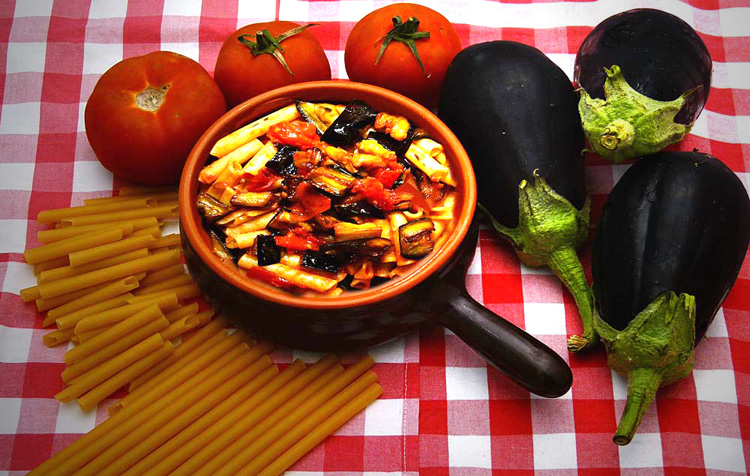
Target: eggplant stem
(642, 386)
(567, 267)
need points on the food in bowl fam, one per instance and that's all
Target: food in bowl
(321, 198)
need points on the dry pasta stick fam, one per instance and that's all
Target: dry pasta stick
(51, 264)
(153, 433)
(186, 291)
(108, 387)
(161, 196)
(237, 157)
(153, 231)
(293, 428)
(166, 284)
(59, 214)
(74, 283)
(250, 443)
(75, 316)
(162, 385)
(118, 314)
(159, 211)
(252, 415)
(82, 337)
(213, 328)
(183, 311)
(139, 319)
(43, 304)
(253, 130)
(322, 431)
(163, 274)
(67, 271)
(115, 348)
(78, 258)
(180, 326)
(55, 338)
(144, 190)
(205, 317)
(63, 247)
(86, 381)
(173, 452)
(173, 404)
(128, 226)
(169, 240)
(115, 289)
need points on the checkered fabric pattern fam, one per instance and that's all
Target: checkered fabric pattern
(444, 411)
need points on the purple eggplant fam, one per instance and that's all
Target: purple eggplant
(644, 76)
(515, 112)
(667, 249)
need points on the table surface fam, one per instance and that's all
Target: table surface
(444, 411)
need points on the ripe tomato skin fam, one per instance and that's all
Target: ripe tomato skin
(398, 69)
(144, 146)
(241, 75)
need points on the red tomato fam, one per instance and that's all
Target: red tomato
(146, 113)
(398, 68)
(297, 133)
(241, 74)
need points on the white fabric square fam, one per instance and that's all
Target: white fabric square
(555, 451)
(466, 383)
(99, 57)
(475, 267)
(643, 452)
(258, 9)
(108, 8)
(723, 454)
(389, 352)
(20, 118)
(14, 344)
(71, 419)
(619, 386)
(535, 269)
(12, 236)
(26, 57)
(544, 318)
(82, 119)
(185, 49)
(337, 58)
(16, 176)
(715, 386)
(187, 8)
(718, 327)
(565, 61)
(91, 176)
(33, 8)
(10, 409)
(469, 451)
(384, 417)
(18, 276)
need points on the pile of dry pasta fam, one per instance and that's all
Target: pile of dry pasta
(203, 399)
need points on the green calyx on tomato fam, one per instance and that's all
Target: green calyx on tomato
(266, 43)
(406, 33)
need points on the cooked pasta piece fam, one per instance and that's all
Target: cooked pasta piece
(253, 130)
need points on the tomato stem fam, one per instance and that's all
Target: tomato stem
(266, 43)
(406, 33)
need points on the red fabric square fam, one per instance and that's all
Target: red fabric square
(220, 9)
(56, 148)
(592, 383)
(737, 298)
(502, 288)
(575, 37)
(344, 453)
(722, 101)
(384, 453)
(683, 471)
(730, 154)
(740, 355)
(432, 346)
(12, 380)
(521, 35)
(391, 378)
(29, 451)
(510, 417)
(42, 380)
(57, 118)
(459, 354)
(498, 256)
(598, 471)
(513, 472)
(64, 58)
(690, 454)
(141, 29)
(738, 325)
(594, 416)
(433, 417)
(501, 387)
(6, 451)
(66, 30)
(715, 45)
(551, 40)
(49, 177)
(512, 452)
(62, 88)
(512, 313)
(596, 450)
(433, 452)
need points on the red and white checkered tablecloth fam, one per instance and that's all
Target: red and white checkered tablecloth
(444, 412)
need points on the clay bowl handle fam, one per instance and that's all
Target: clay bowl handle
(523, 358)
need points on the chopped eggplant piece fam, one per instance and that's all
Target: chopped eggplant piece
(368, 247)
(282, 161)
(347, 231)
(211, 208)
(267, 250)
(356, 206)
(418, 133)
(332, 181)
(398, 146)
(321, 115)
(219, 248)
(321, 261)
(308, 159)
(346, 283)
(347, 128)
(325, 221)
(415, 238)
(251, 199)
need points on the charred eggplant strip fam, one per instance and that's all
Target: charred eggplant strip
(415, 238)
(331, 181)
(348, 231)
(267, 250)
(219, 248)
(251, 199)
(321, 261)
(371, 247)
(347, 128)
(321, 115)
(357, 208)
(211, 208)
(282, 161)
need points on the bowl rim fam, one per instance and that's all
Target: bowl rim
(192, 226)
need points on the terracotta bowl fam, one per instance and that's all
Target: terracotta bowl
(433, 293)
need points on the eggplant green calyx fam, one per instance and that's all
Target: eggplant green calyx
(549, 231)
(656, 348)
(405, 32)
(626, 123)
(267, 44)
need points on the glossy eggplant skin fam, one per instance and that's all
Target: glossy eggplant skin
(676, 221)
(514, 111)
(660, 56)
